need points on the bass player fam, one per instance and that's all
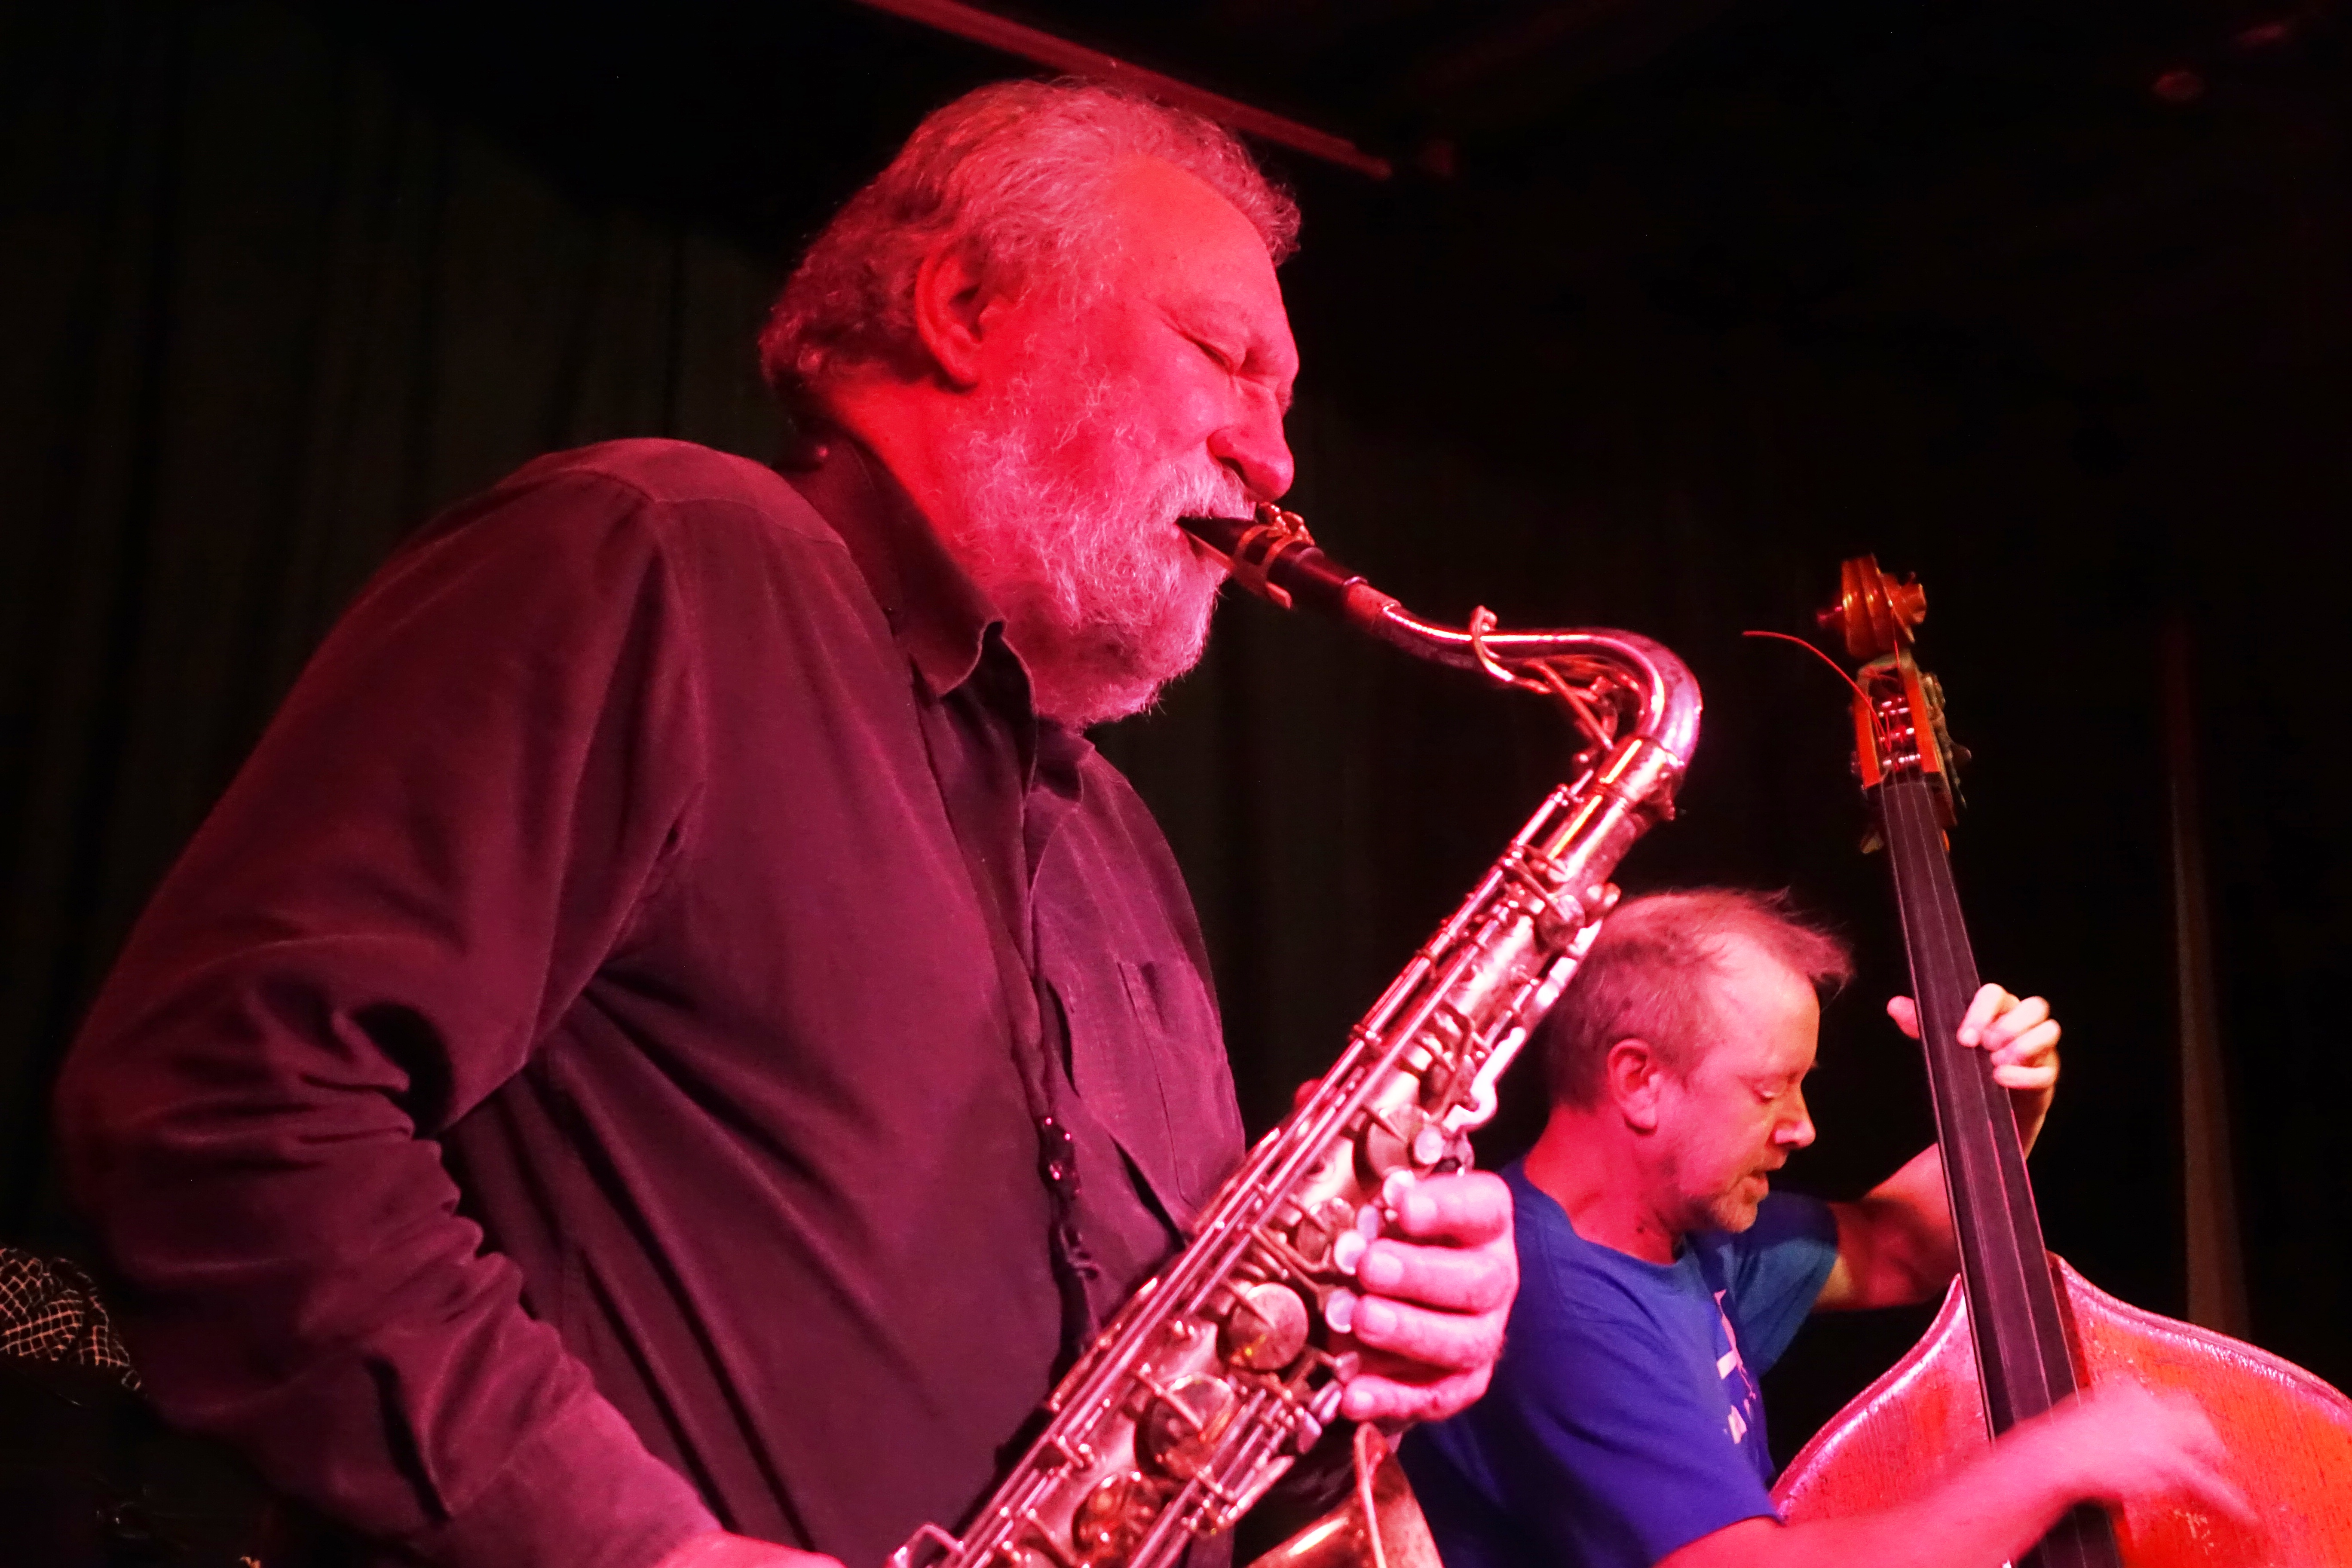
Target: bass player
(1660, 1277)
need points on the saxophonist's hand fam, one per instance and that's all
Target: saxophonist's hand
(1436, 1292)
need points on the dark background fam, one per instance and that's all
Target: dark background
(1671, 306)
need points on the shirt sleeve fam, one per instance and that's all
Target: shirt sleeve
(442, 833)
(1778, 1267)
(1596, 1441)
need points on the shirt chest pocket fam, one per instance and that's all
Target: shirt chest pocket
(1147, 1061)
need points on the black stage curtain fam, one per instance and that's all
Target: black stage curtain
(266, 309)
(264, 315)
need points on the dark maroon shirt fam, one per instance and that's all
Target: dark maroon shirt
(580, 1081)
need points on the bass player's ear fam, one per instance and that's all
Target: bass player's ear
(1632, 1076)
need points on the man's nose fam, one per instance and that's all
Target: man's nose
(1252, 447)
(1796, 1131)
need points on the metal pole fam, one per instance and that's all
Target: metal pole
(1043, 48)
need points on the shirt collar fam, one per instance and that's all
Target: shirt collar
(939, 617)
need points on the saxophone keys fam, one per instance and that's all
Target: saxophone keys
(1310, 1422)
(1181, 1427)
(1266, 1329)
(1113, 1517)
(1312, 1235)
(1385, 1145)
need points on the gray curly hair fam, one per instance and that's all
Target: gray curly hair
(1014, 170)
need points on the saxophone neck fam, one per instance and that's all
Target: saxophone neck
(1615, 684)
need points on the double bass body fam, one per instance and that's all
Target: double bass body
(2289, 1435)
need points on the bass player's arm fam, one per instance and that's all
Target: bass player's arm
(2122, 1446)
(1896, 1245)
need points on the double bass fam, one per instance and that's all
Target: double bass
(2021, 1330)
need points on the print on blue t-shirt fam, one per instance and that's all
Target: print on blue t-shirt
(1746, 1421)
(1624, 1420)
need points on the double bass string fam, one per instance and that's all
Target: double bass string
(1982, 1183)
(2022, 1357)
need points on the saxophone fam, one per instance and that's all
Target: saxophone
(1230, 1364)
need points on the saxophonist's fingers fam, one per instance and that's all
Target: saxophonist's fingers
(1475, 1279)
(1373, 1397)
(1438, 1341)
(1467, 1209)
(1437, 1292)
(1450, 1247)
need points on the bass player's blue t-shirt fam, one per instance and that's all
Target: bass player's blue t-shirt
(1624, 1420)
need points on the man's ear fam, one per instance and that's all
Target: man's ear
(952, 309)
(1633, 1075)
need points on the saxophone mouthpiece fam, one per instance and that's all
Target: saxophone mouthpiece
(1274, 556)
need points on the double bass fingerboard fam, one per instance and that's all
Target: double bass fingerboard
(2022, 1349)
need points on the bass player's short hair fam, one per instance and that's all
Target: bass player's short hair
(1652, 976)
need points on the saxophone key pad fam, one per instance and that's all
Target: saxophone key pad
(1112, 1519)
(1332, 1217)
(1266, 1329)
(1179, 1429)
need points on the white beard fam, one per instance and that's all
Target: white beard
(1104, 599)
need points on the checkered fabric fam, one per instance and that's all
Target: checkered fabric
(50, 1311)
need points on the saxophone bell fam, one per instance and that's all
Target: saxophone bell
(1379, 1526)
